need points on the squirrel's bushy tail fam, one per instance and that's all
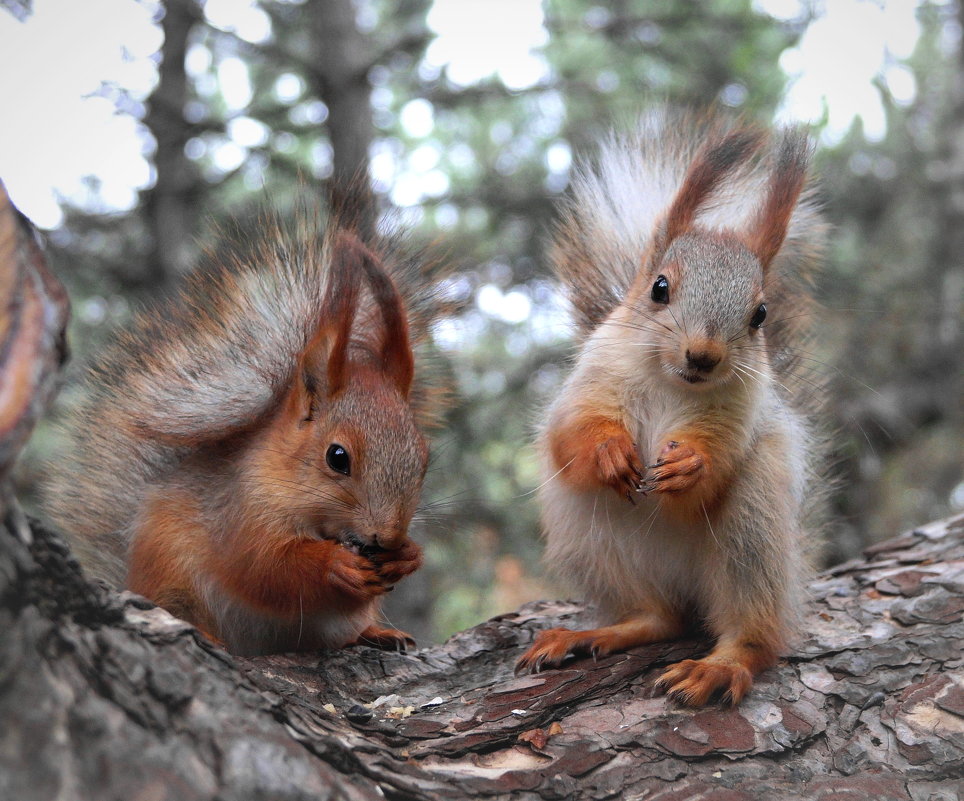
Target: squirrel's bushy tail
(209, 365)
(619, 200)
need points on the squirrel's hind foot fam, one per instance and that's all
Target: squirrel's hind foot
(694, 682)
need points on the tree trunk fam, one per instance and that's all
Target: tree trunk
(339, 76)
(170, 205)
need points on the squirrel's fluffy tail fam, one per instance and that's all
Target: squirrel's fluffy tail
(619, 200)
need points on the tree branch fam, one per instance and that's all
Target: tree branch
(871, 704)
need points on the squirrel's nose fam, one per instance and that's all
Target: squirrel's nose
(391, 537)
(702, 360)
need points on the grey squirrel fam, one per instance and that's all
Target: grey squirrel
(677, 456)
(250, 454)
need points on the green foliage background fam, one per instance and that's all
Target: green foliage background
(892, 340)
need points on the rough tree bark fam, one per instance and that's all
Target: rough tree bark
(103, 696)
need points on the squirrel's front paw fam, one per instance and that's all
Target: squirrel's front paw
(678, 467)
(355, 576)
(396, 564)
(618, 466)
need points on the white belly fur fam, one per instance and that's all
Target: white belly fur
(618, 555)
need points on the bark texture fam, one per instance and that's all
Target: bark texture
(104, 696)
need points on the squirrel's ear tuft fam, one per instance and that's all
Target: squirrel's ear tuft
(375, 317)
(397, 359)
(717, 158)
(323, 364)
(786, 182)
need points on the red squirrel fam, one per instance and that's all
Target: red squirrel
(250, 454)
(677, 457)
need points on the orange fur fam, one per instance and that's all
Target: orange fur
(591, 451)
(284, 576)
(694, 468)
(727, 671)
(554, 646)
(385, 638)
(164, 556)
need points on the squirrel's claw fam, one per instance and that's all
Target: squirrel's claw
(633, 484)
(386, 639)
(679, 467)
(695, 682)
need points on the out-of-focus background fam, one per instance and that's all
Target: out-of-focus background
(130, 126)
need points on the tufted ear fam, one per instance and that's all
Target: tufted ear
(364, 309)
(789, 175)
(323, 366)
(712, 163)
(395, 351)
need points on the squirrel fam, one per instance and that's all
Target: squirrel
(678, 456)
(249, 454)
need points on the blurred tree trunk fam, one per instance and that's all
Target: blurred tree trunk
(171, 204)
(339, 76)
(947, 262)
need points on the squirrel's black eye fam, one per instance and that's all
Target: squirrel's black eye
(759, 316)
(337, 458)
(660, 293)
